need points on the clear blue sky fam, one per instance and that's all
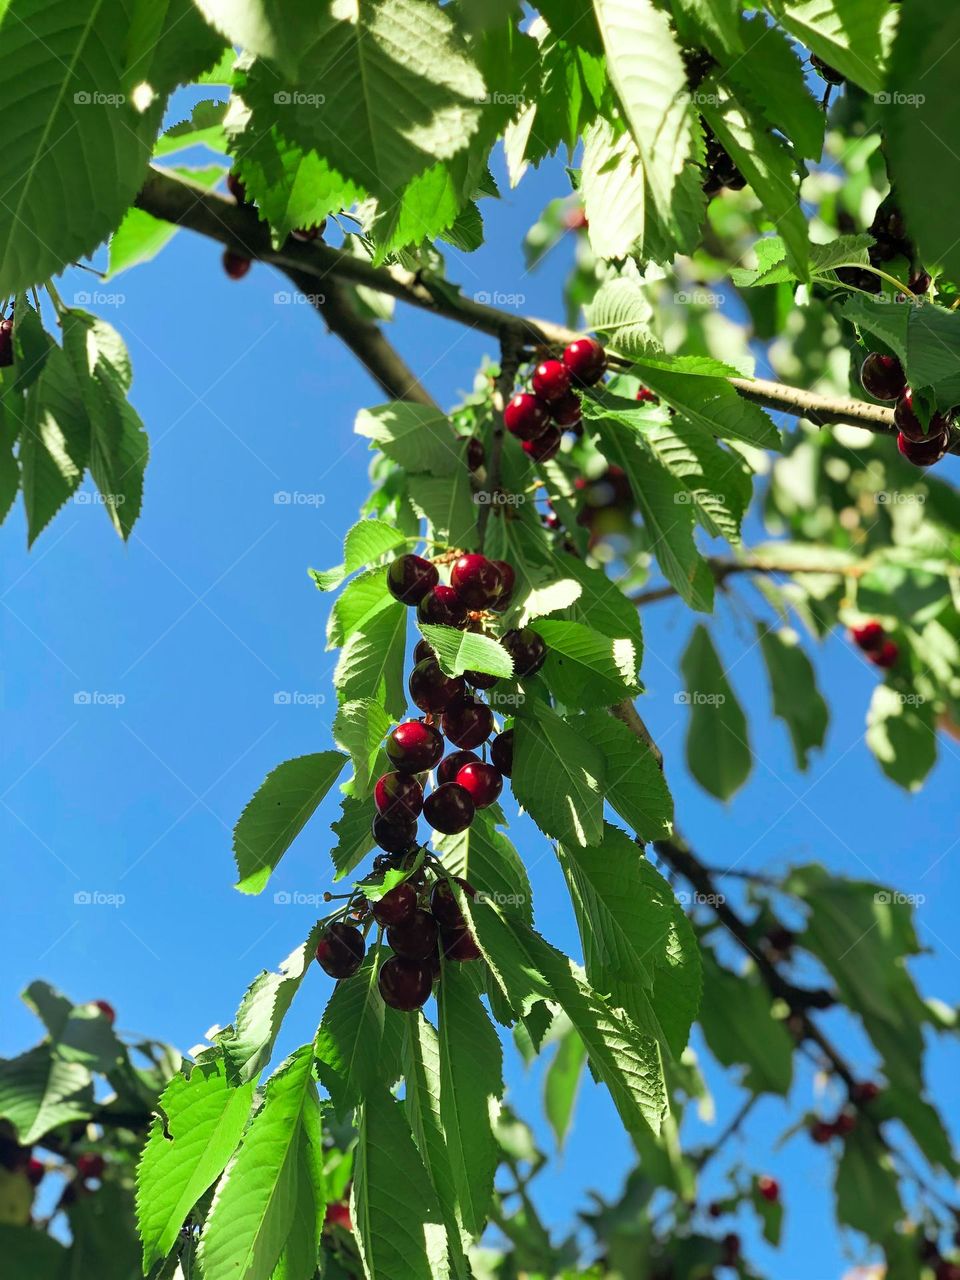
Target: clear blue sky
(208, 614)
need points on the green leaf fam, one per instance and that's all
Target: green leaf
(54, 442)
(796, 698)
(634, 784)
(398, 1221)
(770, 1213)
(28, 1251)
(615, 197)
(585, 669)
(846, 34)
(714, 21)
(902, 735)
(562, 1082)
(357, 604)
(367, 541)
(78, 1033)
(414, 436)
(248, 1043)
(868, 1197)
(557, 776)
(271, 28)
(277, 813)
(601, 604)
(202, 128)
(769, 74)
(39, 1091)
(622, 309)
(354, 838)
(168, 44)
(201, 1122)
(271, 1199)
(471, 1080)
(716, 479)
(489, 862)
(103, 1233)
(359, 1042)
(448, 503)
(460, 651)
(359, 728)
(739, 1027)
(718, 748)
(371, 662)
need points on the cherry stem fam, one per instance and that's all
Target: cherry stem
(862, 266)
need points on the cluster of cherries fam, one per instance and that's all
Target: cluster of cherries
(422, 918)
(883, 377)
(891, 241)
(871, 639)
(236, 265)
(539, 417)
(720, 168)
(861, 1095)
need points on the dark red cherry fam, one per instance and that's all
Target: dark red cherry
(769, 1188)
(405, 984)
(409, 578)
(909, 425)
(480, 679)
(882, 376)
(468, 723)
(865, 1092)
(422, 649)
(526, 416)
(545, 446)
(501, 752)
(887, 656)
(459, 945)
(451, 765)
(236, 265)
(484, 782)
(236, 188)
(340, 950)
(444, 905)
(508, 578)
(731, 1248)
(35, 1171)
(821, 1132)
(551, 381)
(450, 808)
(845, 1123)
(825, 71)
(414, 938)
(107, 1009)
(398, 797)
(6, 342)
(431, 689)
(395, 906)
(923, 453)
(528, 650)
(91, 1165)
(444, 607)
(586, 361)
(337, 1214)
(476, 580)
(414, 747)
(646, 396)
(868, 637)
(394, 837)
(476, 456)
(567, 411)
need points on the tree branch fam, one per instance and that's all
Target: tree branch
(723, 569)
(511, 350)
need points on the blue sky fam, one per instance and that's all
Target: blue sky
(208, 614)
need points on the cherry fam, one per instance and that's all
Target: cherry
(459, 945)
(501, 752)
(468, 723)
(883, 377)
(864, 1092)
(422, 649)
(947, 1271)
(923, 453)
(236, 265)
(868, 637)
(338, 1215)
(444, 607)
(397, 905)
(6, 342)
(545, 446)
(236, 188)
(341, 950)
(35, 1171)
(586, 361)
(528, 650)
(821, 1132)
(431, 689)
(476, 580)
(107, 1010)
(405, 984)
(845, 1123)
(769, 1188)
(551, 381)
(480, 679)
(886, 656)
(825, 71)
(646, 396)
(508, 581)
(454, 762)
(476, 455)
(444, 905)
(394, 836)
(398, 797)
(731, 1248)
(920, 282)
(484, 782)
(715, 1209)
(567, 411)
(414, 747)
(450, 808)
(409, 578)
(91, 1165)
(414, 938)
(909, 425)
(526, 416)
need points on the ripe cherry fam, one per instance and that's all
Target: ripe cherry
(476, 455)
(453, 763)
(398, 797)
(868, 637)
(480, 679)
(886, 656)
(414, 747)
(394, 836)
(476, 580)
(528, 650)
(545, 447)
(825, 71)
(450, 808)
(883, 377)
(341, 950)
(35, 1171)
(586, 361)
(947, 1270)
(444, 607)
(468, 723)
(459, 945)
(107, 1010)
(405, 984)
(731, 1248)
(444, 905)
(551, 381)
(909, 425)
(395, 906)
(567, 411)
(236, 265)
(508, 581)
(414, 938)
(409, 578)
(864, 1092)
(484, 782)
(501, 752)
(526, 416)
(821, 1132)
(920, 282)
(236, 188)
(337, 1215)
(646, 396)
(90, 1165)
(769, 1188)
(6, 342)
(422, 649)
(845, 1123)
(923, 453)
(431, 689)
